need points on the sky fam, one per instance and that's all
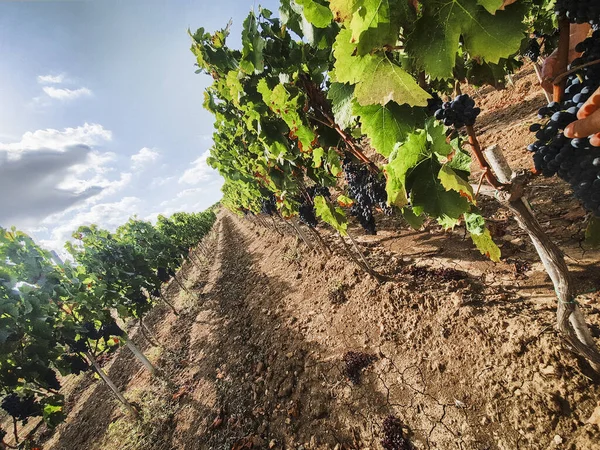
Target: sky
(101, 112)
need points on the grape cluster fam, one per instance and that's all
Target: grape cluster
(459, 112)
(111, 329)
(91, 332)
(574, 160)
(533, 50)
(368, 191)
(164, 274)
(21, 408)
(306, 211)
(434, 103)
(75, 363)
(268, 205)
(139, 300)
(78, 345)
(579, 11)
(393, 436)
(48, 379)
(355, 363)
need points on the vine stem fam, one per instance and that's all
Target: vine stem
(489, 175)
(301, 233)
(320, 104)
(564, 30)
(162, 297)
(180, 284)
(146, 333)
(15, 431)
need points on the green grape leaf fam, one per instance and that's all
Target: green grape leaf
(416, 222)
(317, 155)
(475, 223)
(331, 215)
(253, 46)
(345, 201)
(347, 68)
(344, 9)
(461, 161)
(436, 136)
(429, 196)
(280, 102)
(452, 181)
(334, 163)
(376, 23)
(235, 87)
(319, 15)
(385, 125)
(53, 414)
(491, 5)
(486, 36)
(406, 157)
(382, 80)
(341, 96)
(486, 245)
(592, 232)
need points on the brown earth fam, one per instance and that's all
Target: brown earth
(467, 359)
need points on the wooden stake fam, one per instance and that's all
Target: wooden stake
(111, 385)
(140, 356)
(564, 29)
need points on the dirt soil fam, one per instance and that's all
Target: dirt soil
(466, 359)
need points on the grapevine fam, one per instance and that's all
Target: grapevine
(37, 294)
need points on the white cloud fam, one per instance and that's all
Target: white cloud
(144, 157)
(89, 134)
(161, 181)
(51, 171)
(188, 192)
(51, 79)
(200, 171)
(65, 94)
(105, 215)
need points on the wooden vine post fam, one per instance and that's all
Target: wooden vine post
(571, 322)
(111, 385)
(140, 356)
(564, 29)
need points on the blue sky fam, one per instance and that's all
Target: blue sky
(101, 112)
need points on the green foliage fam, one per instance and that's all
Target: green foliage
(50, 314)
(331, 215)
(361, 69)
(435, 41)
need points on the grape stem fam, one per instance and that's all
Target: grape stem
(480, 183)
(320, 104)
(564, 75)
(487, 170)
(564, 29)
